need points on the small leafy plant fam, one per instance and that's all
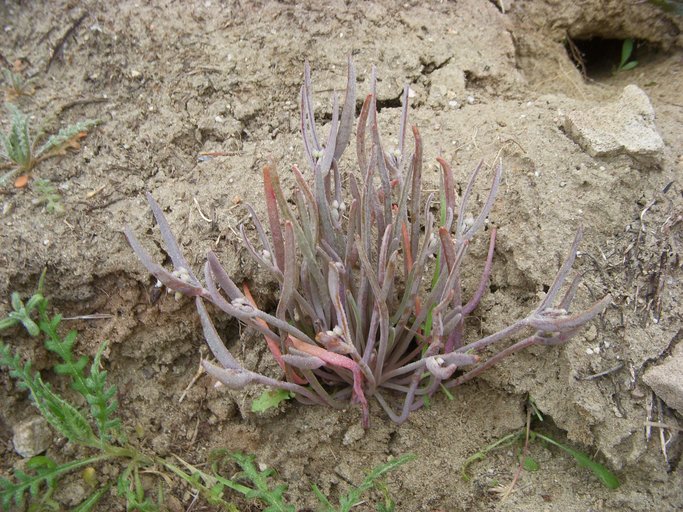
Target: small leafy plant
(93, 424)
(49, 196)
(21, 153)
(526, 435)
(16, 85)
(371, 297)
(626, 64)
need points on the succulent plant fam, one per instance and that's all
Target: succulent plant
(371, 298)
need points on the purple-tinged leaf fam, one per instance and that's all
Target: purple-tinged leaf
(483, 282)
(213, 340)
(562, 273)
(171, 244)
(269, 174)
(290, 280)
(348, 113)
(448, 188)
(303, 362)
(189, 287)
(360, 134)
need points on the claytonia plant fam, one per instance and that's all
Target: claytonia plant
(371, 298)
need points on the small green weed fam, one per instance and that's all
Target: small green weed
(347, 502)
(270, 399)
(626, 64)
(21, 153)
(16, 85)
(49, 196)
(528, 463)
(92, 423)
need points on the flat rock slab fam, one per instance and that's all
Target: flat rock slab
(666, 380)
(625, 126)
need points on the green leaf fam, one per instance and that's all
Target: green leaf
(607, 478)
(448, 394)
(91, 501)
(43, 475)
(626, 51)
(65, 135)
(481, 454)
(273, 497)
(328, 507)
(60, 413)
(270, 399)
(529, 464)
(346, 503)
(629, 65)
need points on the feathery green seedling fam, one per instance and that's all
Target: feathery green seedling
(96, 426)
(49, 196)
(16, 85)
(371, 298)
(254, 483)
(372, 480)
(21, 153)
(93, 424)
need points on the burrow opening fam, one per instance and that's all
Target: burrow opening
(598, 58)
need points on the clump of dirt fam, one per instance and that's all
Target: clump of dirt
(196, 97)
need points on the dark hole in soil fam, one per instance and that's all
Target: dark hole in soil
(598, 58)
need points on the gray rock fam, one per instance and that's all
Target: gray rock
(625, 126)
(666, 379)
(31, 437)
(447, 84)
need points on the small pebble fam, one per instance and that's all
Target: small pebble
(32, 437)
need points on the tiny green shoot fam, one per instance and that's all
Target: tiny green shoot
(49, 196)
(16, 85)
(626, 64)
(21, 153)
(270, 399)
(348, 501)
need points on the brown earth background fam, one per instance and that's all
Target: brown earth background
(174, 80)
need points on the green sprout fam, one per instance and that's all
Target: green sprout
(21, 153)
(49, 196)
(626, 63)
(525, 435)
(16, 85)
(270, 399)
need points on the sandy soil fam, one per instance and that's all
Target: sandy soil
(173, 80)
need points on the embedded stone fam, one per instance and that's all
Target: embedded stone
(666, 380)
(625, 126)
(31, 437)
